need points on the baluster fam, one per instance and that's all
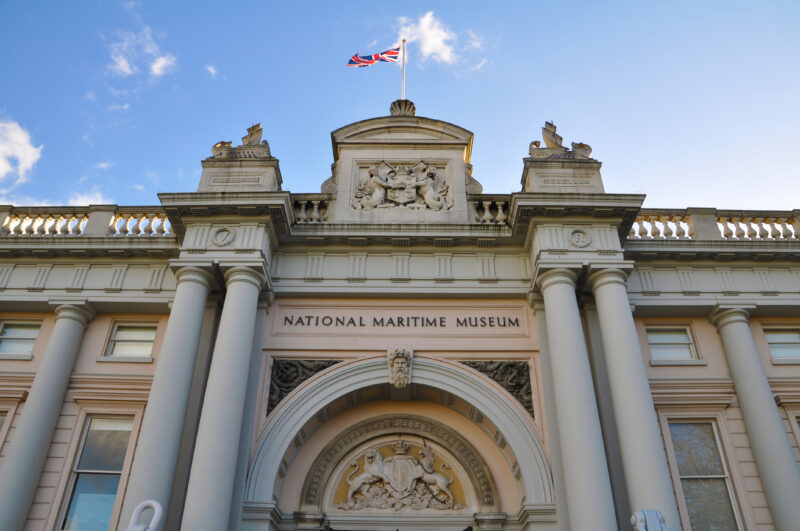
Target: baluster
(654, 228)
(41, 227)
(314, 211)
(30, 226)
(487, 214)
(63, 229)
(301, 212)
(775, 230)
(785, 230)
(763, 233)
(632, 232)
(13, 226)
(740, 226)
(475, 209)
(642, 232)
(162, 225)
(324, 206)
(727, 232)
(680, 232)
(751, 231)
(76, 229)
(147, 230)
(52, 230)
(501, 216)
(667, 228)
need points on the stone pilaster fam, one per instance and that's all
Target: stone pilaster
(772, 450)
(22, 465)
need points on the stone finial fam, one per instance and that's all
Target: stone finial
(402, 108)
(400, 367)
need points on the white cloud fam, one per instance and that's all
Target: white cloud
(15, 145)
(131, 50)
(162, 65)
(94, 197)
(475, 41)
(211, 70)
(91, 96)
(480, 65)
(119, 107)
(138, 187)
(103, 165)
(435, 40)
(23, 200)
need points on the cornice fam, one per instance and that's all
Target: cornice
(692, 392)
(109, 388)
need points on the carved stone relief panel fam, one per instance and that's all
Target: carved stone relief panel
(399, 474)
(513, 376)
(288, 374)
(405, 185)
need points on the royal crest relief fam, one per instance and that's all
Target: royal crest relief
(415, 186)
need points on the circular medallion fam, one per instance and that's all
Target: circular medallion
(579, 238)
(222, 237)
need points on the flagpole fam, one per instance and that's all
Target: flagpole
(403, 92)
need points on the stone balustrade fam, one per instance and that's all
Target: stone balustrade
(310, 210)
(490, 211)
(91, 221)
(712, 224)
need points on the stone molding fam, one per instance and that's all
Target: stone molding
(510, 418)
(459, 447)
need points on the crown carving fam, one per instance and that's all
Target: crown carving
(400, 447)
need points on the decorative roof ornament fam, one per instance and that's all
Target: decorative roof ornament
(402, 108)
(252, 146)
(554, 148)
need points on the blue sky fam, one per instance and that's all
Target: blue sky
(692, 103)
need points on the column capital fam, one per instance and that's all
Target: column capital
(77, 310)
(608, 275)
(194, 274)
(558, 275)
(723, 315)
(253, 275)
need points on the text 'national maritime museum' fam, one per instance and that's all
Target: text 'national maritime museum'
(399, 351)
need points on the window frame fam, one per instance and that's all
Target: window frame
(769, 326)
(63, 491)
(21, 356)
(734, 479)
(9, 407)
(696, 358)
(109, 344)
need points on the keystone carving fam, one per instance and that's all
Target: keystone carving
(417, 186)
(400, 367)
(399, 481)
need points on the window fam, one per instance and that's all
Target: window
(132, 341)
(18, 338)
(97, 472)
(783, 342)
(703, 476)
(670, 344)
(2, 420)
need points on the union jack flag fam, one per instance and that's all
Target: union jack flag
(389, 56)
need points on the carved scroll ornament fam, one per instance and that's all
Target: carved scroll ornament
(418, 186)
(288, 374)
(513, 376)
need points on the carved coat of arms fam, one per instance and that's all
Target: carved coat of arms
(417, 186)
(399, 481)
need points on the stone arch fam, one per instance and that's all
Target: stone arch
(476, 468)
(511, 420)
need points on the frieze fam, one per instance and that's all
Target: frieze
(288, 374)
(513, 376)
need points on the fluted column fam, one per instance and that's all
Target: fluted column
(779, 471)
(211, 481)
(644, 461)
(156, 456)
(588, 487)
(22, 465)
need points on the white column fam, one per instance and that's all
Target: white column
(644, 461)
(211, 481)
(779, 471)
(22, 465)
(586, 478)
(156, 456)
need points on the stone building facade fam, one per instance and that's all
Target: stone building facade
(400, 350)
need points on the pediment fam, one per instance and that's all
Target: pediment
(400, 130)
